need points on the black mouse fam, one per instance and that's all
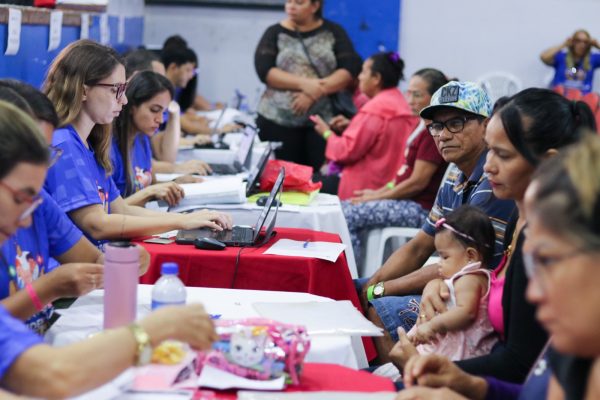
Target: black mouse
(262, 200)
(207, 243)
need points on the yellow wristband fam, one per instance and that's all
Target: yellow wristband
(390, 185)
(327, 133)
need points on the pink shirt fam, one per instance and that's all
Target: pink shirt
(371, 149)
(495, 309)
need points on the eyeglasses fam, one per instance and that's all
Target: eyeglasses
(537, 266)
(20, 197)
(55, 153)
(118, 87)
(453, 125)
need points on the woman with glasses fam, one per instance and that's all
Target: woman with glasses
(560, 256)
(86, 83)
(574, 61)
(406, 200)
(530, 127)
(27, 365)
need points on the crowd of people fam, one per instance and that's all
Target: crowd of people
(506, 194)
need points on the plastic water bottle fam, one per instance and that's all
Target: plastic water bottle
(168, 290)
(121, 274)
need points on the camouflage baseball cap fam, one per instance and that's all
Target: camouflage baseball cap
(466, 96)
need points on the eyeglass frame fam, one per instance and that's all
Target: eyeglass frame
(120, 87)
(535, 269)
(20, 197)
(464, 119)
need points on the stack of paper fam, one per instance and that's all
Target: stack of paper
(217, 191)
(323, 250)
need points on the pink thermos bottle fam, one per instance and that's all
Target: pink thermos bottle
(121, 272)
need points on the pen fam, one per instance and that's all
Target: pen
(305, 245)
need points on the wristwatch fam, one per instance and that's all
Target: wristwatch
(378, 290)
(143, 353)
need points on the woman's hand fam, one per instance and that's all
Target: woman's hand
(433, 299)
(193, 167)
(206, 219)
(594, 43)
(301, 103)
(402, 351)
(189, 324)
(170, 192)
(425, 393)
(363, 195)
(320, 126)
(313, 88)
(76, 279)
(339, 123)
(434, 370)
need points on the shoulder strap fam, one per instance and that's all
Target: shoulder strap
(312, 64)
(474, 268)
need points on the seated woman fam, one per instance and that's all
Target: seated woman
(561, 252)
(27, 365)
(371, 149)
(406, 200)
(86, 83)
(148, 96)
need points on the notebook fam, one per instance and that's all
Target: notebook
(241, 236)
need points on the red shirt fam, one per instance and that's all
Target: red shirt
(371, 149)
(423, 148)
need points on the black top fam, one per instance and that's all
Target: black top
(525, 338)
(571, 372)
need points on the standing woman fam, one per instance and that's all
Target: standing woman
(86, 82)
(405, 200)
(293, 85)
(574, 61)
(148, 96)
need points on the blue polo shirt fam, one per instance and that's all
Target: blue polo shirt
(28, 251)
(577, 78)
(77, 180)
(140, 158)
(475, 190)
(15, 338)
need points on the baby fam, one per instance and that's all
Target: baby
(464, 241)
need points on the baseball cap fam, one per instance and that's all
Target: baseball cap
(466, 96)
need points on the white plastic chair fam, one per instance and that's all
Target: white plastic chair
(499, 83)
(375, 246)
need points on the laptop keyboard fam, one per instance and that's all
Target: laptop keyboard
(223, 169)
(237, 234)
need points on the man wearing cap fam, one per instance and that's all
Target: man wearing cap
(456, 118)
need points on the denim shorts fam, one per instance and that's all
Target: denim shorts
(394, 311)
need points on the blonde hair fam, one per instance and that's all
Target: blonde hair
(585, 62)
(567, 195)
(83, 62)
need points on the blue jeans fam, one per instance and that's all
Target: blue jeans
(394, 311)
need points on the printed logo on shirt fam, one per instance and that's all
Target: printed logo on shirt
(143, 178)
(103, 197)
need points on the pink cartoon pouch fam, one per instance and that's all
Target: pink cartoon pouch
(258, 348)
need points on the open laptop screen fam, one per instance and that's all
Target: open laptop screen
(269, 203)
(245, 145)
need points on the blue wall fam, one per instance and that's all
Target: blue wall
(372, 25)
(32, 60)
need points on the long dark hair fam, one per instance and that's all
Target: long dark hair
(20, 140)
(142, 87)
(536, 120)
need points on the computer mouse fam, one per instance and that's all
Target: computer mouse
(262, 200)
(207, 243)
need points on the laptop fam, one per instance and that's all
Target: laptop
(242, 158)
(241, 236)
(256, 173)
(216, 138)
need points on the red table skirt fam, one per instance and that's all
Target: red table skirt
(255, 270)
(324, 377)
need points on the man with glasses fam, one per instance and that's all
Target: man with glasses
(457, 117)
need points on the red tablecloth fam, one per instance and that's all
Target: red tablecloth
(324, 377)
(258, 271)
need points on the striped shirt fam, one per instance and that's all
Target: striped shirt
(457, 190)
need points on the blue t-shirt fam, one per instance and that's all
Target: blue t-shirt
(15, 338)
(141, 164)
(457, 190)
(576, 77)
(28, 251)
(76, 180)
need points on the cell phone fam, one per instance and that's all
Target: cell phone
(159, 241)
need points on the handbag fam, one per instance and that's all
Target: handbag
(341, 102)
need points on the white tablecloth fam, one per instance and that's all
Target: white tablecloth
(85, 317)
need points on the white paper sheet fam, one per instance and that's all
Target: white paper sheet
(224, 190)
(323, 250)
(56, 18)
(228, 117)
(218, 379)
(14, 32)
(321, 318)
